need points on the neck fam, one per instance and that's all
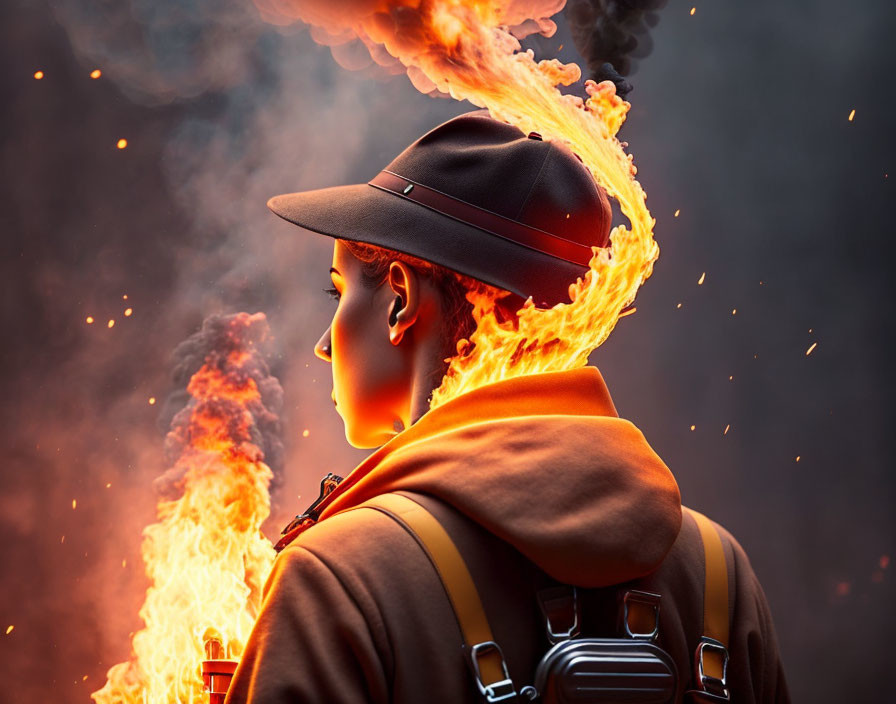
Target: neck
(428, 368)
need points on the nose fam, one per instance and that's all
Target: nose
(323, 348)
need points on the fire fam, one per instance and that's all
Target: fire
(465, 49)
(206, 557)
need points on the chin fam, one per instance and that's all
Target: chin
(365, 440)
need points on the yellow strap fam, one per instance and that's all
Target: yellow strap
(453, 572)
(715, 594)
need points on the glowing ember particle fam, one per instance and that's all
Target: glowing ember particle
(701, 279)
(677, 213)
(678, 306)
(306, 433)
(797, 458)
(110, 324)
(884, 561)
(84, 678)
(631, 310)
(9, 629)
(128, 311)
(38, 75)
(122, 143)
(734, 311)
(152, 400)
(731, 378)
(852, 114)
(727, 428)
(809, 351)
(90, 320)
(109, 485)
(124, 297)
(693, 11)
(843, 588)
(62, 540)
(74, 504)
(124, 563)
(96, 73)
(693, 428)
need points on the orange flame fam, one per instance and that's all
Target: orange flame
(206, 556)
(465, 49)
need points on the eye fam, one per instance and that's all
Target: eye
(332, 293)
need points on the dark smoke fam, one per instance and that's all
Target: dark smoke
(611, 35)
(212, 346)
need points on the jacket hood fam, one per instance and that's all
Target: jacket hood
(544, 463)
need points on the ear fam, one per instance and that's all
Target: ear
(405, 307)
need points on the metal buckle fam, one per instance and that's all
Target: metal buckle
(565, 593)
(500, 691)
(648, 599)
(707, 683)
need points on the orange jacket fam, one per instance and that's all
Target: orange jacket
(531, 476)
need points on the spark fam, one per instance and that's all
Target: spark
(110, 324)
(38, 75)
(727, 428)
(96, 73)
(128, 311)
(9, 629)
(124, 563)
(677, 213)
(630, 311)
(124, 297)
(84, 678)
(797, 458)
(693, 428)
(734, 311)
(74, 504)
(152, 400)
(90, 320)
(62, 540)
(731, 378)
(884, 561)
(306, 433)
(109, 485)
(852, 114)
(122, 143)
(701, 279)
(678, 306)
(693, 11)
(809, 351)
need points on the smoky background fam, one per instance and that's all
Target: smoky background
(739, 122)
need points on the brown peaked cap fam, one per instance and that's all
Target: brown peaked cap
(477, 196)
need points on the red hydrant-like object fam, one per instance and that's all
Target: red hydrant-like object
(217, 671)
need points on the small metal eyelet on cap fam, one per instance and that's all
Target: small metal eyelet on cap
(408, 188)
(535, 136)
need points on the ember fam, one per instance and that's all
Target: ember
(206, 556)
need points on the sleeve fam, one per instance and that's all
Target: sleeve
(311, 643)
(755, 670)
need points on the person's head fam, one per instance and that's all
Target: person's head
(398, 320)
(474, 205)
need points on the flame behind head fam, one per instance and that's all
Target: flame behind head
(469, 50)
(206, 557)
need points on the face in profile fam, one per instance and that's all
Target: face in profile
(372, 382)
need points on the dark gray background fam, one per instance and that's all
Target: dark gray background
(739, 120)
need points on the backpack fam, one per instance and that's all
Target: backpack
(578, 670)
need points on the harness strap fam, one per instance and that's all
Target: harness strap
(452, 570)
(711, 657)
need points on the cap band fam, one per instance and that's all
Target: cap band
(485, 220)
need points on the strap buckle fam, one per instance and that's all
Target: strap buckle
(634, 602)
(500, 691)
(711, 684)
(560, 604)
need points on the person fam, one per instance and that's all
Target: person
(535, 479)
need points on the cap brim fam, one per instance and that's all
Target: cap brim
(363, 213)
